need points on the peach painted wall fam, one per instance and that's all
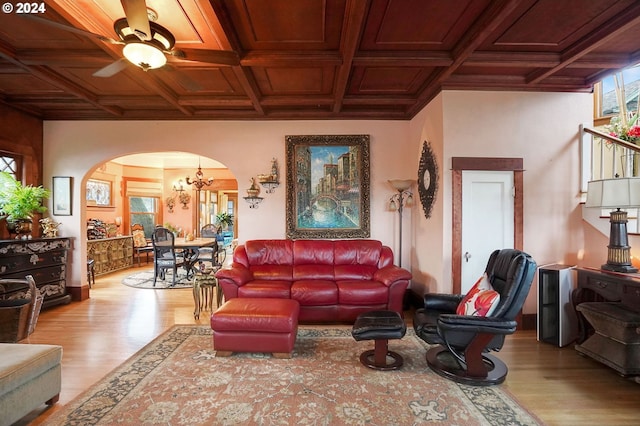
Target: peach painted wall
(542, 128)
(77, 148)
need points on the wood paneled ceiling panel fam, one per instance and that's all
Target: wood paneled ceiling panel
(418, 24)
(309, 59)
(294, 81)
(285, 24)
(386, 80)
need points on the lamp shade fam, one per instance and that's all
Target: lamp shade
(614, 193)
(401, 184)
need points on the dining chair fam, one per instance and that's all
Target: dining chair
(140, 244)
(165, 254)
(211, 254)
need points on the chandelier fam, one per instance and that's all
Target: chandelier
(199, 182)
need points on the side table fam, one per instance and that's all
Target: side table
(203, 288)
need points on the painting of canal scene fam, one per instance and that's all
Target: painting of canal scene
(327, 186)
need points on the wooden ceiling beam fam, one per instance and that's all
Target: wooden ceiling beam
(244, 76)
(291, 59)
(403, 59)
(52, 78)
(623, 21)
(355, 17)
(484, 26)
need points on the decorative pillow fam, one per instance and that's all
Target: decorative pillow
(481, 300)
(139, 240)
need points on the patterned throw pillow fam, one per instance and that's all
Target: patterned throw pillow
(481, 300)
(139, 239)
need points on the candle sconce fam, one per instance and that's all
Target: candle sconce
(253, 195)
(270, 181)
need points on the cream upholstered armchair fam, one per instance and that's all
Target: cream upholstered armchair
(20, 304)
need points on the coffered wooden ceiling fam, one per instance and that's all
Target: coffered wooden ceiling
(311, 59)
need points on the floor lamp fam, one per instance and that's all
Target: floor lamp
(404, 198)
(617, 193)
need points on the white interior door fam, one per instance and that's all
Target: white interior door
(487, 220)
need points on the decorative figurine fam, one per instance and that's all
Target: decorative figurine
(49, 227)
(254, 189)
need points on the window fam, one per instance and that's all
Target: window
(144, 210)
(10, 163)
(627, 83)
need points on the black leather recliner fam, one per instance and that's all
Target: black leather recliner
(463, 340)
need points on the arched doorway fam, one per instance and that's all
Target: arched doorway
(153, 189)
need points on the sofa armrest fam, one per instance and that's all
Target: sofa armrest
(237, 274)
(391, 274)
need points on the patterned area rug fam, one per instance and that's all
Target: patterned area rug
(144, 279)
(177, 380)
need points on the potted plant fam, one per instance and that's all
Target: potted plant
(224, 219)
(18, 203)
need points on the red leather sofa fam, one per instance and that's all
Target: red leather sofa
(333, 281)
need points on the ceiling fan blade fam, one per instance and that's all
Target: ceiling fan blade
(112, 69)
(184, 80)
(137, 18)
(220, 57)
(69, 28)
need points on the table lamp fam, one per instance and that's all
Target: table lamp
(617, 193)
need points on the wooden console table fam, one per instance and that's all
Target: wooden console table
(110, 254)
(45, 259)
(608, 307)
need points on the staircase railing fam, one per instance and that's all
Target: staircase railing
(604, 157)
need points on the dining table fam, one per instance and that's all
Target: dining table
(191, 250)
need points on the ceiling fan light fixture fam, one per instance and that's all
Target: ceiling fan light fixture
(144, 55)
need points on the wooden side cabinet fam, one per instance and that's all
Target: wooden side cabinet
(110, 254)
(45, 259)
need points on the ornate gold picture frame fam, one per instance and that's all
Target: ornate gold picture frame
(328, 186)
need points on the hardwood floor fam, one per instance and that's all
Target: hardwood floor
(98, 334)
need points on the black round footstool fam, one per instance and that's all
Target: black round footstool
(380, 326)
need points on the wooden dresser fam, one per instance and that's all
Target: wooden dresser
(110, 254)
(608, 306)
(46, 259)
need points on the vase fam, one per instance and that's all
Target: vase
(20, 227)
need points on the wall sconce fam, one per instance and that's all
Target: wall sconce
(179, 187)
(271, 180)
(404, 198)
(118, 221)
(618, 193)
(184, 199)
(171, 202)
(253, 193)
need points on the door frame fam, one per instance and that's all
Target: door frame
(458, 164)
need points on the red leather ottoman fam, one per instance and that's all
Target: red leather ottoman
(255, 325)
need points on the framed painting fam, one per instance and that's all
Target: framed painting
(62, 204)
(327, 186)
(99, 193)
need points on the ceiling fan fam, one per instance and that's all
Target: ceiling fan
(146, 44)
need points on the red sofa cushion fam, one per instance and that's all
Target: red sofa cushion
(315, 292)
(266, 288)
(362, 292)
(269, 252)
(356, 259)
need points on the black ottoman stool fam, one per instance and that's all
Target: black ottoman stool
(380, 326)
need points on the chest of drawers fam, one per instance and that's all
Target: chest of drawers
(45, 259)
